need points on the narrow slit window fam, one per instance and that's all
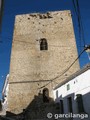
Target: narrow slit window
(43, 44)
(68, 87)
(57, 94)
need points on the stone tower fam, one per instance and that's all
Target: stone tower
(43, 47)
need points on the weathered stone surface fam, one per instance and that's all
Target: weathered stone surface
(32, 68)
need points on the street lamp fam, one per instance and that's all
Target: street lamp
(87, 49)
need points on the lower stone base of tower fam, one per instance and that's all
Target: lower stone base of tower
(38, 110)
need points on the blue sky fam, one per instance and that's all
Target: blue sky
(14, 7)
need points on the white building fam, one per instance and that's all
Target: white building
(5, 95)
(74, 93)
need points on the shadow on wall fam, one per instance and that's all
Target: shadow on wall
(38, 109)
(41, 106)
(79, 104)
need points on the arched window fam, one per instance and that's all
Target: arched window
(45, 95)
(43, 44)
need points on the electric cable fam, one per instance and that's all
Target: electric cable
(64, 70)
(81, 31)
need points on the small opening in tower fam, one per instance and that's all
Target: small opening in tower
(61, 18)
(43, 44)
(28, 18)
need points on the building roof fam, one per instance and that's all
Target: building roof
(79, 72)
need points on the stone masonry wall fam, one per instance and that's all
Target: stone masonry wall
(32, 68)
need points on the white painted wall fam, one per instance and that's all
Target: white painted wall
(5, 95)
(78, 85)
